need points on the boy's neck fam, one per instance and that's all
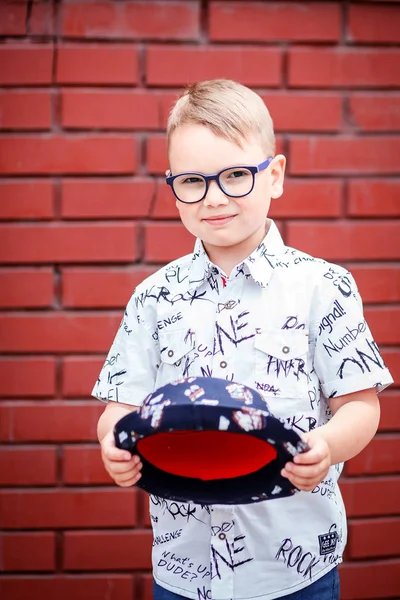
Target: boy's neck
(227, 257)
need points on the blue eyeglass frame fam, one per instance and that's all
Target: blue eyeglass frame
(207, 178)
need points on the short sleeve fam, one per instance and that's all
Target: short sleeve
(346, 358)
(129, 371)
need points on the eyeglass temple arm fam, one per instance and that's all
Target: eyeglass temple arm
(264, 164)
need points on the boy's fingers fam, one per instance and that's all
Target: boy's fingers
(306, 472)
(129, 476)
(313, 456)
(118, 468)
(113, 453)
(301, 482)
(130, 481)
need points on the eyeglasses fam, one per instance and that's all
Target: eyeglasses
(235, 182)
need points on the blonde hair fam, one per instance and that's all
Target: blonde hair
(229, 109)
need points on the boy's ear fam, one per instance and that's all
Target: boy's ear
(277, 170)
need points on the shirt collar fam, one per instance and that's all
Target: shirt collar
(260, 264)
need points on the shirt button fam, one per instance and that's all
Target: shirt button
(222, 536)
(223, 364)
(285, 349)
(170, 353)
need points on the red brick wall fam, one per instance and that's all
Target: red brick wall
(85, 215)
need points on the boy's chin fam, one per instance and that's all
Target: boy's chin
(224, 244)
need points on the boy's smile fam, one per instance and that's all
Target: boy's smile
(219, 220)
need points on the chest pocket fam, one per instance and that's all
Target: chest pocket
(177, 354)
(282, 369)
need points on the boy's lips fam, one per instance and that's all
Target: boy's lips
(219, 219)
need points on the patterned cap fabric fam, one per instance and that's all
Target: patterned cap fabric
(209, 441)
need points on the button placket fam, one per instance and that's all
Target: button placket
(223, 528)
(226, 320)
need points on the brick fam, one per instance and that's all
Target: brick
(325, 155)
(42, 20)
(57, 332)
(145, 509)
(26, 64)
(26, 199)
(139, 20)
(26, 288)
(147, 586)
(12, 19)
(375, 24)
(345, 240)
(33, 551)
(165, 203)
(102, 198)
(81, 286)
(98, 64)
(181, 65)
(380, 457)
(69, 242)
(67, 155)
(109, 110)
(390, 414)
(364, 580)
(143, 499)
(339, 67)
(391, 357)
(97, 551)
(25, 110)
(55, 422)
(374, 198)
(299, 111)
(308, 198)
(16, 466)
(274, 21)
(165, 242)
(384, 323)
(65, 587)
(82, 465)
(375, 112)
(79, 374)
(156, 155)
(27, 377)
(374, 538)
(377, 283)
(365, 497)
(67, 508)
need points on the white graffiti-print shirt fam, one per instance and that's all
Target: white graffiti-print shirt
(290, 326)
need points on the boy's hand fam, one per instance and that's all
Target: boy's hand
(311, 467)
(120, 464)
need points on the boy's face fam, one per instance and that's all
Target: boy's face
(224, 224)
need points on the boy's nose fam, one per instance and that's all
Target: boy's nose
(215, 196)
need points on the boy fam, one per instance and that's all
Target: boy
(247, 308)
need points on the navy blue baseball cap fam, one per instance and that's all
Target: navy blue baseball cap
(209, 441)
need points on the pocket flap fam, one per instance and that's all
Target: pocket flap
(282, 343)
(175, 344)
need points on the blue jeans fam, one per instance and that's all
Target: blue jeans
(325, 588)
